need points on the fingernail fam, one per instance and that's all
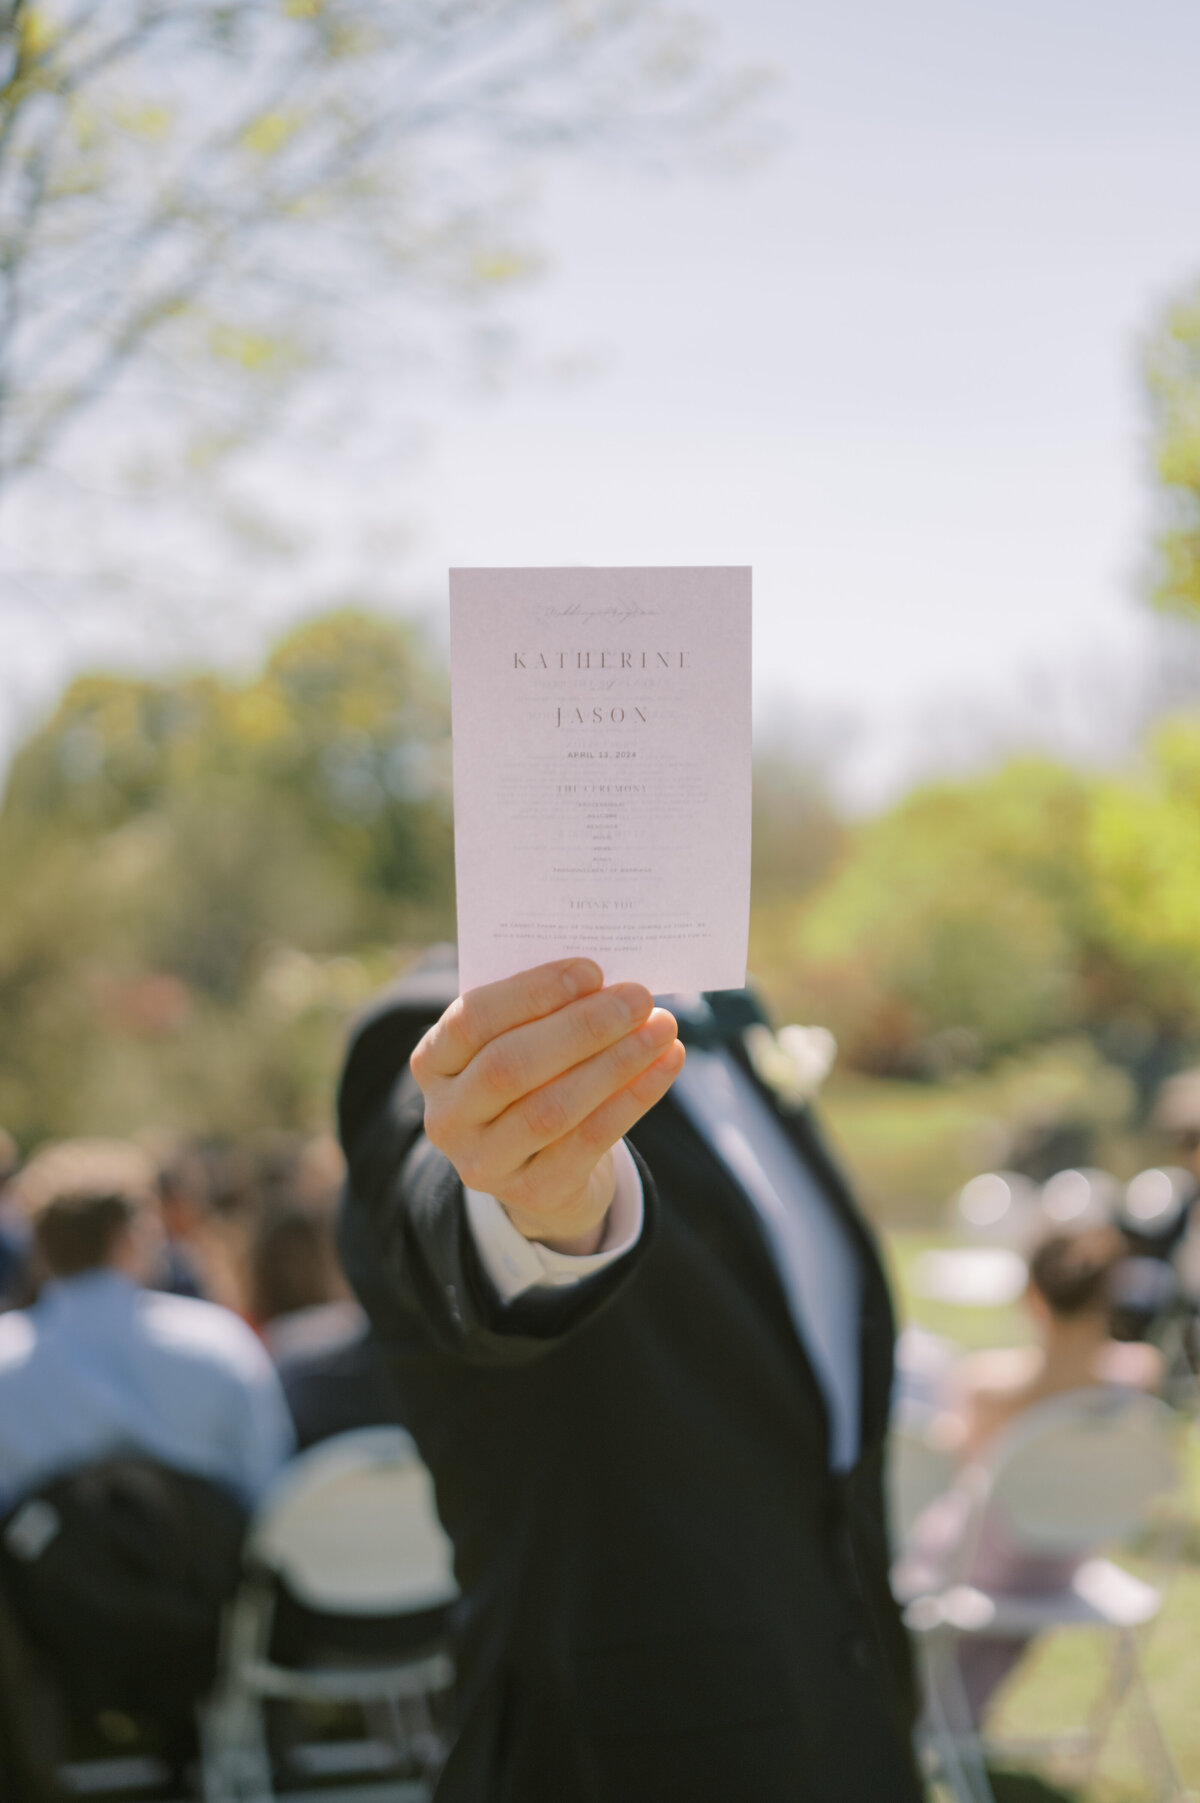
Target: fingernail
(658, 1030)
(581, 976)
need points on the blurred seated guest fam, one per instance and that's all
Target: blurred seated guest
(298, 1297)
(332, 1370)
(334, 1389)
(15, 1283)
(1177, 1114)
(208, 1195)
(102, 1366)
(320, 1173)
(184, 1204)
(1070, 1276)
(1068, 1298)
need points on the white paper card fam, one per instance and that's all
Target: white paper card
(602, 772)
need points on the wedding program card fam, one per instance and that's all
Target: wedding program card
(602, 772)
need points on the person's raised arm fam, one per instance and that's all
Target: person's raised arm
(529, 1083)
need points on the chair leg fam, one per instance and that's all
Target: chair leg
(1157, 1746)
(218, 1752)
(963, 1722)
(259, 1780)
(426, 1744)
(407, 1724)
(235, 1758)
(1102, 1712)
(952, 1731)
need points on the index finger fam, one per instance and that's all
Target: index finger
(482, 1014)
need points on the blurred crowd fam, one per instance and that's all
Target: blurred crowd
(246, 1230)
(174, 1328)
(182, 1303)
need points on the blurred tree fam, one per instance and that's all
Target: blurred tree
(1144, 855)
(200, 877)
(797, 833)
(214, 856)
(978, 917)
(797, 836)
(948, 933)
(206, 190)
(1173, 381)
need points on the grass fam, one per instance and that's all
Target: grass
(967, 1327)
(1055, 1683)
(909, 1146)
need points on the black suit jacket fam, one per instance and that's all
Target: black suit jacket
(667, 1594)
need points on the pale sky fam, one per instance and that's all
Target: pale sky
(895, 370)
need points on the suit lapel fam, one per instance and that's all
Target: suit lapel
(668, 1135)
(877, 1324)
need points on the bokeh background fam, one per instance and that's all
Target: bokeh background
(302, 302)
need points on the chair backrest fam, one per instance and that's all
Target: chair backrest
(351, 1528)
(1079, 1471)
(119, 1573)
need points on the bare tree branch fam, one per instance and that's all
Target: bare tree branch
(216, 180)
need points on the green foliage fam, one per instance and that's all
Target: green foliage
(200, 877)
(951, 915)
(1173, 382)
(1144, 853)
(796, 831)
(190, 869)
(978, 916)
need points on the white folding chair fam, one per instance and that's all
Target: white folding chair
(1070, 1477)
(350, 1530)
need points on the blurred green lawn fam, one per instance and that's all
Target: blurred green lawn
(1055, 1684)
(909, 1146)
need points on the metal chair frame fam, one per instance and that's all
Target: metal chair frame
(1100, 1595)
(395, 1695)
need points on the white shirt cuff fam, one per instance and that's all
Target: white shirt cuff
(516, 1264)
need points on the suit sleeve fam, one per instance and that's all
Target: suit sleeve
(405, 1237)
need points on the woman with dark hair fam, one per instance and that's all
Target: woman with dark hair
(1068, 1298)
(330, 1364)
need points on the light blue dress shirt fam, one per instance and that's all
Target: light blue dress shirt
(99, 1366)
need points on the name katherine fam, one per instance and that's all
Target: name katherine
(600, 660)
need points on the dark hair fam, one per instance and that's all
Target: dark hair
(293, 1262)
(78, 1195)
(1072, 1271)
(183, 1172)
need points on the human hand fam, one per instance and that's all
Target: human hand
(530, 1082)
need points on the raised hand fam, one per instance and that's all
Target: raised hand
(529, 1083)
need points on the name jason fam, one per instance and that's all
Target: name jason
(600, 716)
